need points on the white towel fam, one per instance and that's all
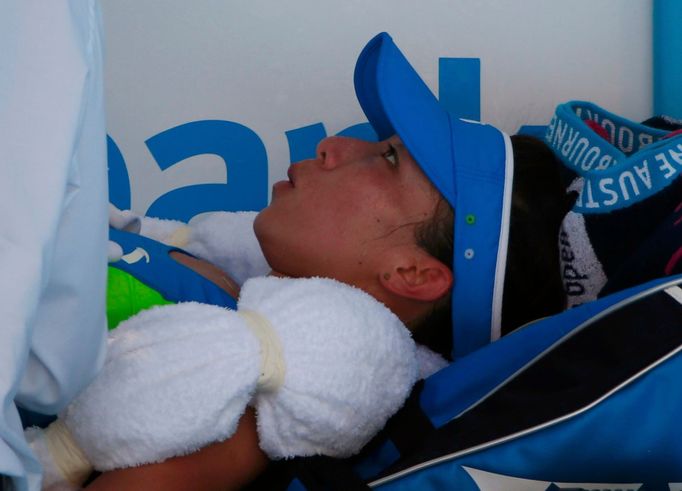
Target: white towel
(124, 220)
(223, 238)
(353, 371)
(179, 377)
(227, 240)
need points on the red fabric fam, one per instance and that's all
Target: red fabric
(673, 133)
(598, 129)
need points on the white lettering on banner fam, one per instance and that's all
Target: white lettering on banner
(605, 162)
(633, 184)
(550, 129)
(665, 166)
(668, 169)
(627, 175)
(644, 175)
(625, 138)
(488, 481)
(579, 148)
(587, 162)
(560, 132)
(579, 112)
(603, 186)
(625, 134)
(575, 148)
(676, 156)
(610, 128)
(568, 146)
(636, 182)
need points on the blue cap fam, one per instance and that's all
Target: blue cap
(471, 164)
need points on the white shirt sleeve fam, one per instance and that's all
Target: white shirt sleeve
(53, 191)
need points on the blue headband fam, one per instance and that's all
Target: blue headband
(636, 163)
(471, 164)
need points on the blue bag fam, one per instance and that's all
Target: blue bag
(587, 399)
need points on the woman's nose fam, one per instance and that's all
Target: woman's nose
(334, 151)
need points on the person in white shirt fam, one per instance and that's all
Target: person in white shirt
(53, 192)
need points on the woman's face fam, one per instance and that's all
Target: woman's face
(339, 214)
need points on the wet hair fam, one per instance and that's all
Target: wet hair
(532, 287)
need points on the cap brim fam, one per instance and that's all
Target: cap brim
(397, 102)
(471, 164)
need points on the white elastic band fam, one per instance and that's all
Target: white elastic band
(272, 360)
(67, 455)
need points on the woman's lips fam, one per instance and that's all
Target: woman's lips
(282, 185)
(286, 184)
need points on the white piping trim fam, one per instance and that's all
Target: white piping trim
(501, 266)
(520, 434)
(597, 317)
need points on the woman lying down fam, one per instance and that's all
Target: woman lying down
(311, 366)
(322, 363)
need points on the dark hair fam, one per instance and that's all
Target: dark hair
(532, 287)
(436, 237)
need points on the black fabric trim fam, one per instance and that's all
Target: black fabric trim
(631, 226)
(664, 122)
(315, 473)
(406, 429)
(326, 474)
(276, 477)
(574, 374)
(409, 426)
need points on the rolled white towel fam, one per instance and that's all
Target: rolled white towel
(429, 362)
(179, 377)
(354, 370)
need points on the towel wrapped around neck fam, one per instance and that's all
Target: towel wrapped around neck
(179, 377)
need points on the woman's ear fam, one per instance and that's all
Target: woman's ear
(415, 274)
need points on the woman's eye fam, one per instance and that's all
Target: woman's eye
(391, 155)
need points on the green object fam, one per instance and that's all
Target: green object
(470, 219)
(126, 296)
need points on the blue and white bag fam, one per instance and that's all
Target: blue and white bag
(588, 399)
